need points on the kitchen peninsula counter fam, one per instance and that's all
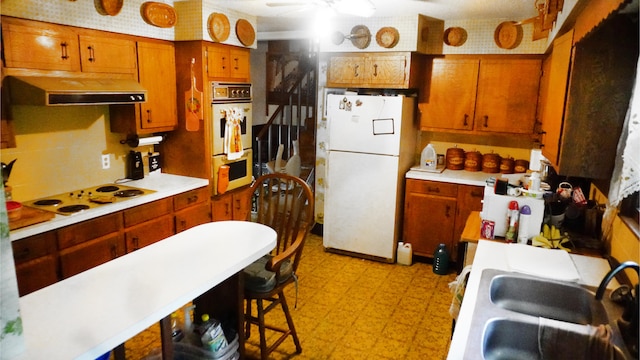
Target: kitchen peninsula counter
(164, 185)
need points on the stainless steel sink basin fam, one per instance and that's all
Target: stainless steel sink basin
(519, 339)
(509, 308)
(553, 300)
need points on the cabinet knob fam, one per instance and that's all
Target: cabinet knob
(466, 120)
(63, 48)
(355, 71)
(92, 54)
(433, 189)
(486, 121)
(375, 69)
(149, 115)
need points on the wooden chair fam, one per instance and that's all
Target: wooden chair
(284, 203)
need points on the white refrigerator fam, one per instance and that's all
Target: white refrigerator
(371, 145)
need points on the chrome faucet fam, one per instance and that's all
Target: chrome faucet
(628, 323)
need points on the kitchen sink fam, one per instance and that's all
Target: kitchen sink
(553, 300)
(510, 308)
(518, 339)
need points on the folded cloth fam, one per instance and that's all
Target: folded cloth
(558, 340)
(457, 287)
(233, 134)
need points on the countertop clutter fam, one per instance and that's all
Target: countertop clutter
(163, 185)
(579, 269)
(463, 177)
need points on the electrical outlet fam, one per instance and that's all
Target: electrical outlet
(106, 162)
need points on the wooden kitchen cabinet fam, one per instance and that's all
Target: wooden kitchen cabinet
(583, 124)
(233, 205)
(435, 213)
(429, 215)
(486, 95)
(373, 70)
(91, 253)
(157, 74)
(103, 54)
(225, 62)
(36, 262)
(192, 208)
(37, 45)
(148, 223)
(90, 229)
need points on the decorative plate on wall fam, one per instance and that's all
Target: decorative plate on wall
(109, 7)
(455, 36)
(360, 36)
(158, 14)
(218, 26)
(508, 35)
(387, 37)
(245, 32)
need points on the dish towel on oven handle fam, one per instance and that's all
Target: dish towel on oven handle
(233, 134)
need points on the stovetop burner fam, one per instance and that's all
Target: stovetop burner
(47, 202)
(128, 193)
(107, 188)
(73, 208)
(84, 199)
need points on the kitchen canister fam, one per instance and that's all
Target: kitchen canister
(491, 163)
(507, 165)
(473, 161)
(405, 253)
(521, 166)
(455, 158)
(441, 260)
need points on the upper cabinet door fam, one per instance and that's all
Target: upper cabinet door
(507, 95)
(239, 64)
(158, 76)
(101, 54)
(34, 45)
(553, 95)
(388, 70)
(346, 70)
(450, 95)
(218, 62)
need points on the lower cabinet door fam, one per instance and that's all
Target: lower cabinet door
(35, 274)
(192, 216)
(429, 221)
(84, 256)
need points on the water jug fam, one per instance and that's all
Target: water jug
(405, 253)
(441, 260)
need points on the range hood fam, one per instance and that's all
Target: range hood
(65, 91)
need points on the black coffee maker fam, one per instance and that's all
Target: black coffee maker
(135, 169)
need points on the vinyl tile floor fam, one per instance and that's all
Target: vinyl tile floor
(351, 308)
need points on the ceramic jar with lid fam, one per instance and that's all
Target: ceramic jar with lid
(521, 166)
(507, 165)
(491, 163)
(473, 161)
(455, 158)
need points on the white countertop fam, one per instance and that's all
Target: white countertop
(493, 255)
(165, 185)
(86, 315)
(457, 176)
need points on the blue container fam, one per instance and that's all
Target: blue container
(441, 260)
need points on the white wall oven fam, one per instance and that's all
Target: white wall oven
(231, 136)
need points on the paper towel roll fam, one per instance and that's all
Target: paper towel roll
(152, 140)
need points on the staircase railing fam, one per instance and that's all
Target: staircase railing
(285, 124)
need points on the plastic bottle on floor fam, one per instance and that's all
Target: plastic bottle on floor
(441, 260)
(405, 253)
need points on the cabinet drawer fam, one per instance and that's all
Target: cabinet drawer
(36, 274)
(34, 247)
(189, 198)
(146, 212)
(149, 233)
(90, 229)
(432, 188)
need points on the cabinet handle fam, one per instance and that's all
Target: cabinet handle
(355, 71)
(238, 204)
(192, 199)
(223, 59)
(375, 69)
(63, 48)
(486, 121)
(227, 209)
(114, 252)
(149, 115)
(477, 194)
(448, 211)
(237, 63)
(183, 223)
(466, 120)
(136, 243)
(92, 54)
(433, 190)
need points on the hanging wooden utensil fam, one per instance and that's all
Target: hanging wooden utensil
(193, 104)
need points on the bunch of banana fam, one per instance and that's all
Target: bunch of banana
(551, 238)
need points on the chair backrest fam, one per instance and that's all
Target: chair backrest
(284, 203)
